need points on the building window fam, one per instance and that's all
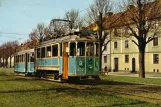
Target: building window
(126, 44)
(126, 58)
(155, 41)
(155, 58)
(115, 45)
(105, 59)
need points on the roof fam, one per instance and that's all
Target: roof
(68, 39)
(152, 11)
(25, 51)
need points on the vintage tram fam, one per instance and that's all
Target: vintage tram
(67, 57)
(72, 56)
(24, 62)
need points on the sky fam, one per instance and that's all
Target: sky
(19, 17)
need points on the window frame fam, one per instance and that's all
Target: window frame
(53, 53)
(89, 51)
(48, 51)
(155, 61)
(126, 44)
(126, 58)
(81, 52)
(72, 49)
(155, 41)
(105, 57)
(38, 56)
(115, 45)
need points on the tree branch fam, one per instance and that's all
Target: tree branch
(135, 43)
(105, 45)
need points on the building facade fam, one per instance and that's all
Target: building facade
(125, 55)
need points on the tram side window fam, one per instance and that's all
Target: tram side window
(48, 52)
(18, 58)
(60, 49)
(90, 49)
(72, 49)
(32, 57)
(15, 59)
(22, 58)
(28, 58)
(96, 49)
(38, 53)
(81, 49)
(55, 50)
(43, 52)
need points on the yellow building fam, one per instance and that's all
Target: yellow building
(125, 54)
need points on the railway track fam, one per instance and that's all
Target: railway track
(137, 92)
(131, 90)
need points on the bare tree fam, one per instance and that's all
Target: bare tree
(40, 28)
(8, 50)
(38, 33)
(73, 16)
(96, 14)
(142, 19)
(34, 35)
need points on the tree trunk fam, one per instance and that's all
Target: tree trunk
(142, 63)
(100, 65)
(6, 64)
(10, 61)
(100, 25)
(3, 59)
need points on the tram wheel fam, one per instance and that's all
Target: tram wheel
(43, 75)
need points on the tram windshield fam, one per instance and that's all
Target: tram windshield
(32, 57)
(81, 48)
(90, 49)
(72, 49)
(84, 49)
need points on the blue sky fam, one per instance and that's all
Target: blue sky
(21, 16)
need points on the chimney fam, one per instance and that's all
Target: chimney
(109, 14)
(130, 7)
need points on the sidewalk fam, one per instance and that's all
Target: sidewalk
(127, 73)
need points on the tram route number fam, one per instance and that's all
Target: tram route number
(80, 69)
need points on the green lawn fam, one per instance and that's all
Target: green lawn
(19, 91)
(155, 81)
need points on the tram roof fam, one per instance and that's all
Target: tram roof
(25, 51)
(71, 38)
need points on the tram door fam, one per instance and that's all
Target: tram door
(65, 60)
(26, 60)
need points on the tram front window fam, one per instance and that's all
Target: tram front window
(72, 49)
(90, 49)
(81, 49)
(31, 57)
